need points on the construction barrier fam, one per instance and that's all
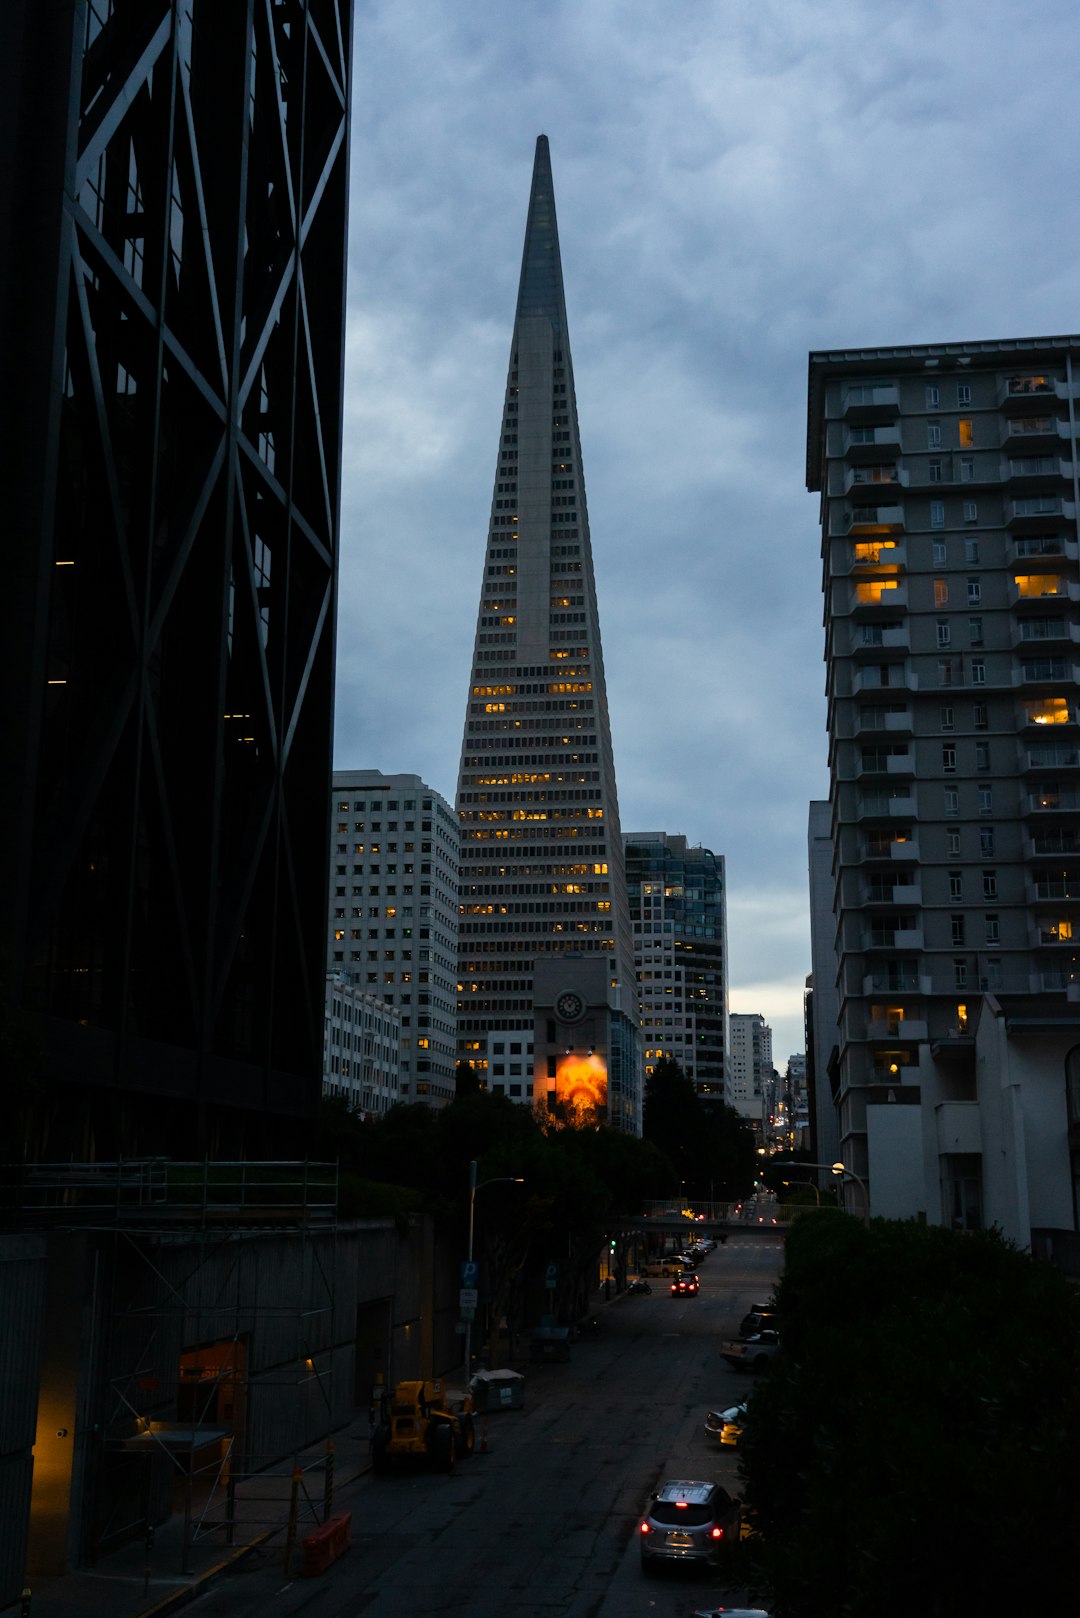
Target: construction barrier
(326, 1543)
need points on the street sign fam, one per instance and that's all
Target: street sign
(468, 1298)
(551, 1277)
(470, 1272)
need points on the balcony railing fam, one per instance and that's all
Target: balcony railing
(1052, 803)
(873, 396)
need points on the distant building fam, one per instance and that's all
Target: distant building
(752, 1079)
(947, 476)
(361, 1058)
(543, 897)
(394, 915)
(822, 999)
(678, 909)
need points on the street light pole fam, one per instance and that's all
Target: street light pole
(839, 1169)
(500, 1179)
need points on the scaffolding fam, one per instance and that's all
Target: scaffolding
(213, 1343)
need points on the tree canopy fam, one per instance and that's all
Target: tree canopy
(709, 1145)
(914, 1449)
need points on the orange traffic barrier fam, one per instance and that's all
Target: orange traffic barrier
(326, 1543)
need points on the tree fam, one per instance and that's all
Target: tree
(708, 1144)
(914, 1449)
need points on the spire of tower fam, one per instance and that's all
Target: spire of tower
(540, 291)
(546, 964)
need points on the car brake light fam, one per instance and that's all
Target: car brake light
(645, 1529)
(680, 1505)
(716, 1533)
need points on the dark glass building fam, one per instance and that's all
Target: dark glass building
(172, 277)
(678, 904)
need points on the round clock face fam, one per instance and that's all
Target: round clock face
(570, 1007)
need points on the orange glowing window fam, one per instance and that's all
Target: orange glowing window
(967, 439)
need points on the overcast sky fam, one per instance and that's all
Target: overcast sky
(737, 182)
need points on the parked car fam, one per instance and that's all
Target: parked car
(685, 1286)
(757, 1318)
(727, 1425)
(752, 1353)
(671, 1265)
(687, 1520)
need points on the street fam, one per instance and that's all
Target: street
(543, 1525)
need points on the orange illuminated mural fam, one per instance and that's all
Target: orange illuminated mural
(581, 1082)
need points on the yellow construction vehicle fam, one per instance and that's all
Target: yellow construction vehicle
(426, 1421)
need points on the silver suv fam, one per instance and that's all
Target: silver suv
(687, 1521)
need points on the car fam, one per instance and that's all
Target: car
(757, 1318)
(687, 1520)
(731, 1612)
(685, 1286)
(752, 1353)
(727, 1425)
(671, 1265)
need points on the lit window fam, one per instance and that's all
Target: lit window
(941, 592)
(967, 437)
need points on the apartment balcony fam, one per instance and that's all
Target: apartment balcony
(881, 557)
(861, 403)
(1042, 431)
(883, 677)
(877, 595)
(1052, 843)
(1058, 981)
(1054, 934)
(872, 443)
(1040, 587)
(869, 639)
(1050, 634)
(1053, 889)
(902, 723)
(1028, 394)
(892, 938)
(902, 1028)
(899, 851)
(1023, 471)
(1053, 801)
(885, 763)
(881, 806)
(1034, 670)
(883, 517)
(1050, 756)
(875, 481)
(906, 894)
(1035, 510)
(896, 983)
(1033, 552)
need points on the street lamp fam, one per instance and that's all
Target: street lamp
(500, 1179)
(811, 1183)
(833, 1168)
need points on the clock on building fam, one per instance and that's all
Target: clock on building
(570, 1007)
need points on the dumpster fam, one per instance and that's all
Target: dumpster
(549, 1343)
(498, 1390)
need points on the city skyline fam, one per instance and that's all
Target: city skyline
(735, 190)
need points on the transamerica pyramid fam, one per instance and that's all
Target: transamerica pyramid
(547, 991)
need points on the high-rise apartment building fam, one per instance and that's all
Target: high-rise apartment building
(173, 209)
(394, 916)
(949, 502)
(678, 909)
(751, 1067)
(545, 944)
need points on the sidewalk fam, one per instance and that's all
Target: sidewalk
(126, 1584)
(129, 1583)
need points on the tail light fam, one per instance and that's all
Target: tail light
(716, 1533)
(645, 1529)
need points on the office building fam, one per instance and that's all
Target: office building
(361, 1039)
(752, 1085)
(947, 476)
(394, 916)
(545, 944)
(172, 289)
(678, 909)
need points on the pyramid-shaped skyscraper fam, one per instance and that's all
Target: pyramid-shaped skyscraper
(548, 1001)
